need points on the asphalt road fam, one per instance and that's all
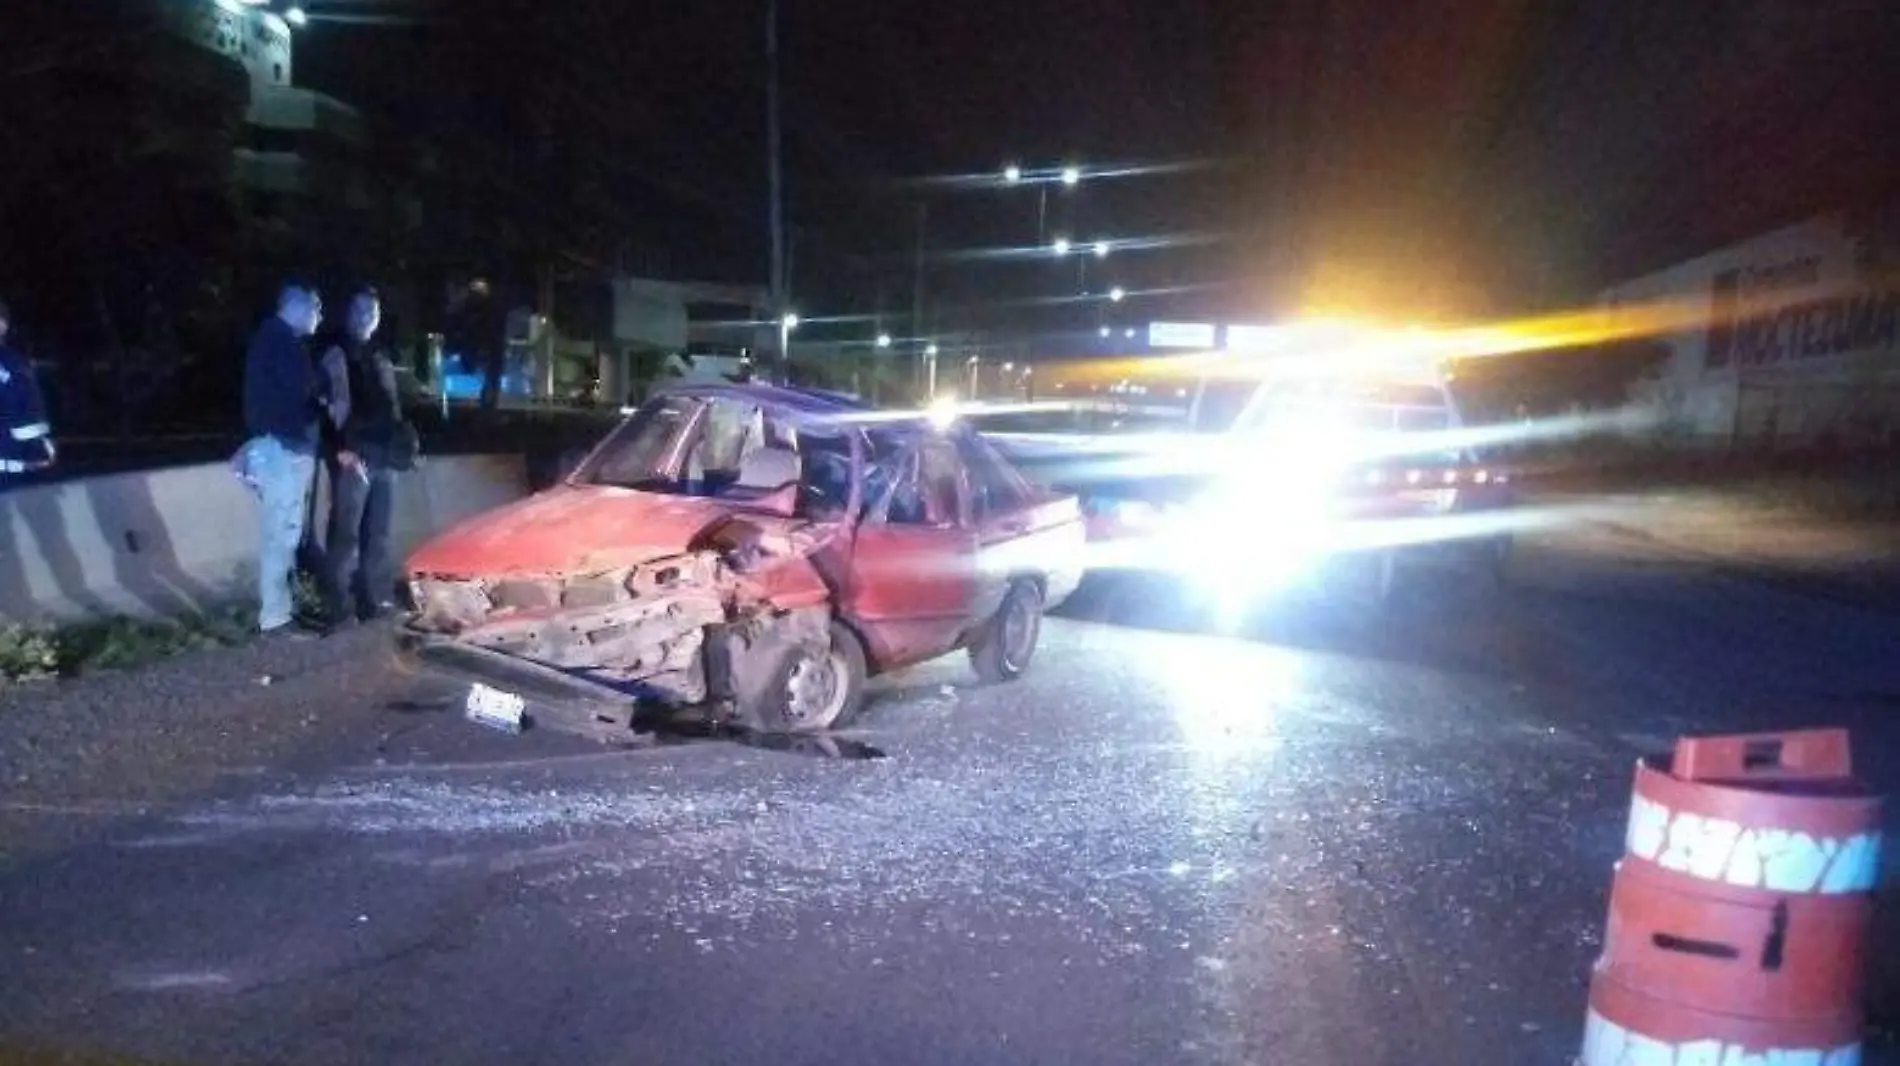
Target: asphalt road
(1330, 838)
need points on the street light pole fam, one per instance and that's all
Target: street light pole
(929, 364)
(776, 181)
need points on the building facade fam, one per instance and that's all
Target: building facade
(255, 38)
(1789, 339)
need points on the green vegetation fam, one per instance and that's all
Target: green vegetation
(29, 653)
(43, 652)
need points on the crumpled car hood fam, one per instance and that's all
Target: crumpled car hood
(570, 530)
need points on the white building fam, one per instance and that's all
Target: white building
(299, 144)
(255, 38)
(1793, 342)
(681, 330)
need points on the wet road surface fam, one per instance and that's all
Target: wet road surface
(1330, 838)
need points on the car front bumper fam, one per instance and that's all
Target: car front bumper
(550, 698)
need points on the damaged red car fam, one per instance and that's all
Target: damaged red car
(751, 552)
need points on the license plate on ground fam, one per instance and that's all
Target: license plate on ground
(494, 708)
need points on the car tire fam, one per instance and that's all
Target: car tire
(1007, 642)
(1498, 562)
(812, 691)
(1388, 579)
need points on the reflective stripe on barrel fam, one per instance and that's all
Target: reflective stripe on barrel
(1781, 833)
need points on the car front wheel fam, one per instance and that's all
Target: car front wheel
(1008, 640)
(814, 689)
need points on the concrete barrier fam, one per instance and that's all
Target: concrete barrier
(185, 538)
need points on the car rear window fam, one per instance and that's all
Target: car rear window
(994, 487)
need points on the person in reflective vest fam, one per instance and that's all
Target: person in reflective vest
(26, 437)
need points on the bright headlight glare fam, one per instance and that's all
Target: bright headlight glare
(1284, 522)
(1278, 488)
(1135, 512)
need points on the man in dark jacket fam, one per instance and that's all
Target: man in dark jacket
(372, 445)
(26, 438)
(280, 411)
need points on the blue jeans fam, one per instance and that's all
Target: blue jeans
(283, 484)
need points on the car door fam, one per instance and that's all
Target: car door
(1006, 519)
(913, 565)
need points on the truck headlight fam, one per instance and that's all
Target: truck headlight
(1276, 522)
(1136, 514)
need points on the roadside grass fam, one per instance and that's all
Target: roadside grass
(36, 653)
(46, 652)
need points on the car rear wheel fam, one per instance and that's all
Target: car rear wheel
(1008, 641)
(1387, 577)
(1501, 552)
(815, 689)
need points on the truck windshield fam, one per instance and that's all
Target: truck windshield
(1386, 408)
(1220, 404)
(1078, 418)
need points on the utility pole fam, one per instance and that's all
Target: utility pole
(917, 332)
(777, 191)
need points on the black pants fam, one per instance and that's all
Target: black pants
(358, 566)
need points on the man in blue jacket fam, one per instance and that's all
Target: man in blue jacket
(26, 438)
(281, 405)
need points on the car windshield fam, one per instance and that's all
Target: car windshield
(640, 452)
(692, 446)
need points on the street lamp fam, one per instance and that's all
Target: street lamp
(297, 17)
(1012, 174)
(1061, 246)
(1104, 331)
(786, 324)
(1071, 176)
(1101, 249)
(1117, 294)
(1007, 367)
(1129, 333)
(930, 370)
(883, 340)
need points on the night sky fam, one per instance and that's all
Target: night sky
(1390, 155)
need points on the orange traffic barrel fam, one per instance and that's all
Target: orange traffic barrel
(1739, 912)
(1625, 1028)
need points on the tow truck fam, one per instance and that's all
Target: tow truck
(1338, 476)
